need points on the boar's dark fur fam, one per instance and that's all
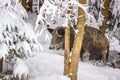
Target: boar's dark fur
(95, 44)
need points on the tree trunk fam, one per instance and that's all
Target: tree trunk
(67, 44)
(1, 65)
(24, 3)
(30, 3)
(105, 12)
(77, 43)
(67, 50)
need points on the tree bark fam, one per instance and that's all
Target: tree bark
(24, 3)
(77, 43)
(105, 12)
(67, 50)
(1, 65)
(67, 44)
(30, 3)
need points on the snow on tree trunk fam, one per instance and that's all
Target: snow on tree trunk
(105, 12)
(77, 43)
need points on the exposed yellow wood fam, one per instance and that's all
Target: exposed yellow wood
(67, 50)
(77, 43)
(67, 44)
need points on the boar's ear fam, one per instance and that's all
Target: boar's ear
(50, 30)
(61, 31)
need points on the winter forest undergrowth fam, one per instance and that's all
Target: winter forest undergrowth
(52, 62)
(25, 40)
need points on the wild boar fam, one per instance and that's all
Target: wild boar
(95, 44)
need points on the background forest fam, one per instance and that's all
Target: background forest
(25, 40)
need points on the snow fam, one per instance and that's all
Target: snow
(20, 68)
(45, 69)
(26, 50)
(114, 44)
(13, 29)
(49, 65)
(91, 20)
(3, 50)
(91, 72)
(52, 10)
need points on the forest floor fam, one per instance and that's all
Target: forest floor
(49, 64)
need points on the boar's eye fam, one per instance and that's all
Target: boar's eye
(61, 31)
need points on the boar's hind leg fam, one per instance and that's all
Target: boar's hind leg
(81, 53)
(105, 55)
(85, 54)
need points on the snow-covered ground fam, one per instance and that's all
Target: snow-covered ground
(48, 65)
(114, 45)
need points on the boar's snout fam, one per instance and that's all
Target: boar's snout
(54, 47)
(51, 46)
